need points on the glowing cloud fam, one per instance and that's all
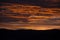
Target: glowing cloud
(22, 16)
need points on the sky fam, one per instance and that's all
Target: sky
(43, 3)
(32, 14)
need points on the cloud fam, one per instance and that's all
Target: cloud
(43, 3)
(17, 16)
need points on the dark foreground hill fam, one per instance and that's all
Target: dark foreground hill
(18, 34)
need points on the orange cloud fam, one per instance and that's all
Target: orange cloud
(36, 22)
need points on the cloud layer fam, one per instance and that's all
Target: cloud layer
(16, 16)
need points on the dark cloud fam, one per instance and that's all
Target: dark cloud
(43, 3)
(4, 18)
(52, 21)
(40, 14)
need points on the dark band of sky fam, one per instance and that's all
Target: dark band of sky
(42, 3)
